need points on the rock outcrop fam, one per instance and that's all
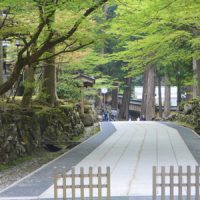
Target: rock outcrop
(19, 134)
(24, 131)
(189, 112)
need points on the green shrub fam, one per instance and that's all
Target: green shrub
(68, 88)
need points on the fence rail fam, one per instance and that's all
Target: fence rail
(70, 182)
(176, 181)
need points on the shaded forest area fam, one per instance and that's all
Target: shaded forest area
(120, 43)
(45, 42)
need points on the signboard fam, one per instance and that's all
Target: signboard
(104, 90)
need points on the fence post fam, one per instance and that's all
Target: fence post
(64, 184)
(188, 183)
(162, 183)
(73, 183)
(108, 182)
(197, 183)
(99, 184)
(180, 181)
(82, 182)
(90, 183)
(171, 183)
(192, 182)
(154, 182)
(55, 184)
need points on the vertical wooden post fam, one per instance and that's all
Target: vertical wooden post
(108, 182)
(73, 183)
(162, 183)
(104, 102)
(90, 183)
(171, 183)
(197, 183)
(64, 184)
(154, 182)
(99, 184)
(55, 184)
(180, 181)
(82, 99)
(188, 183)
(82, 182)
(1, 55)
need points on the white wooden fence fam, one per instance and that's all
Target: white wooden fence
(175, 182)
(68, 184)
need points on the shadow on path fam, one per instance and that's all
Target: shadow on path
(191, 139)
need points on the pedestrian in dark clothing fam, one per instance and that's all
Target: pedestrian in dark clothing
(105, 114)
(143, 118)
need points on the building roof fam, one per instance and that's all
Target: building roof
(87, 80)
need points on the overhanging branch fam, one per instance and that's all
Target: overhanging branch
(67, 50)
(23, 61)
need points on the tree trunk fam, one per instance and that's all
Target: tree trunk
(198, 78)
(159, 95)
(189, 90)
(196, 72)
(144, 93)
(20, 85)
(1, 62)
(167, 101)
(124, 108)
(49, 81)
(114, 102)
(178, 89)
(150, 101)
(29, 86)
(1, 52)
(148, 97)
(105, 10)
(49, 73)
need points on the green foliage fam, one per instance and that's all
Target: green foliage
(68, 88)
(127, 37)
(42, 97)
(160, 37)
(64, 26)
(29, 85)
(15, 162)
(196, 46)
(88, 62)
(161, 33)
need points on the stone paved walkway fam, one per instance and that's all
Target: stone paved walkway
(129, 148)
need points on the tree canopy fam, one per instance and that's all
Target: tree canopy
(66, 32)
(109, 39)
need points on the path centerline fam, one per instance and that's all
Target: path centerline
(137, 163)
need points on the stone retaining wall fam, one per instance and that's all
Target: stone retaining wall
(189, 112)
(23, 131)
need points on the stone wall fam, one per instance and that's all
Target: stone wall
(23, 131)
(189, 112)
(19, 134)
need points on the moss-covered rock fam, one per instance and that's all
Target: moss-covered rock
(189, 113)
(58, 125)
(24, 131)
(19, 134)
(87, 119)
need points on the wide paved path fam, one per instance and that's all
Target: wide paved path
(131, 149)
